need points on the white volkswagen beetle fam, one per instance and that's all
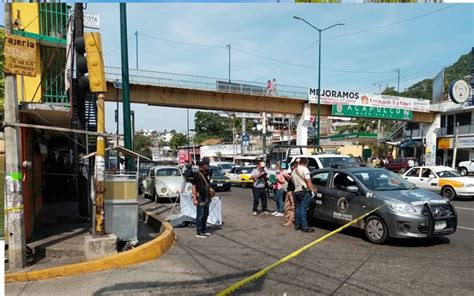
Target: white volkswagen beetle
(165, 182)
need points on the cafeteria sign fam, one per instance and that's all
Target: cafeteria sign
(372, 112)
(20, 55)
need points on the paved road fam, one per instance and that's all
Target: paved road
(344, 264)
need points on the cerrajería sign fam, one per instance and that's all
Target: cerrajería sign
(20, 55)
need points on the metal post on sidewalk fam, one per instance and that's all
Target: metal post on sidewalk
(13, 175)
(455, 148)
(99, 229)
(127, 130)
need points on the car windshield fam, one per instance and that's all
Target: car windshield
(382, 180)
(226, 166)
(168, 173)
(144, 167)
(331, 161)
(448, 174)
(217, 173)
(246, 170)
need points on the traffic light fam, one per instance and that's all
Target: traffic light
(92, 63)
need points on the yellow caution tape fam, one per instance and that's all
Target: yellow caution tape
(261, 273)
(15, 209)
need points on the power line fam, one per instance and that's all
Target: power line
(391, 24)
(287, 61)
(182, 42)
(114, 50)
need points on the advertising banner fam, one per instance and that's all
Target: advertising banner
(372, 112)
(333, 97)
(20, 55)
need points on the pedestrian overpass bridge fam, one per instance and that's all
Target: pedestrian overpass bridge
(199, 92)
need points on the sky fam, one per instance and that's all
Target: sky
(418, 39)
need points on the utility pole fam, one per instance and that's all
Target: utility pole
(244, 132)
(13, 175)
(136, 47)
(398, 87)
(127, 130)
(455, 148)
(264, 132)
(99, 229)
(228, 46)
(187, 122)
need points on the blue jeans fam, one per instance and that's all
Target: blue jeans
(202, 212)
(302, 201)
(279, 200)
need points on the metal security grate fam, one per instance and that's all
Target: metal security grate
(53, 19)
(52, 82)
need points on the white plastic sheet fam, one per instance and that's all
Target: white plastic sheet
(189, 209)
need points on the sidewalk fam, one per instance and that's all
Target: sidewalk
(61, 233)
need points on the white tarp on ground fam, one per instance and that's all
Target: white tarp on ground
(189, 209)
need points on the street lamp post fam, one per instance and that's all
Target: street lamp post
(319, 72)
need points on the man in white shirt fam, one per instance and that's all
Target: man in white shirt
(304, 192)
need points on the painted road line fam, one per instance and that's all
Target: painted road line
(264, 271)
(467, 209)
(466, 228)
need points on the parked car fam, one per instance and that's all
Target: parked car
(441, 179)
(145, 166)
(319, 161)
(241, 176)
(165, 182)
(466, 167)
(219, 181)
(224, 166)
(406, 211)
(402, 164)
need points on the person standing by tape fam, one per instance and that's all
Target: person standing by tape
(260, 184)
(289, 199)
(202, 195)
(304, 192)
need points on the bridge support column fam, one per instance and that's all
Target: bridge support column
(302, 123)
(431, 138)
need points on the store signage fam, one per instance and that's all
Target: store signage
(445, 143)
(459, 91)
(20, 55)
(372, 112)
(467, 142)
(91, 21)
(332, 97)
(462, 142)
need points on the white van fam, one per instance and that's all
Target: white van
(319, 161)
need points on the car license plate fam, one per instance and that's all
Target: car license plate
(440, 225)
(220, 184)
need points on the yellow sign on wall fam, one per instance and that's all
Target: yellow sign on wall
(20, 55)
(445, 143)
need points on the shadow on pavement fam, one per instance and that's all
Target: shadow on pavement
(404, 242)
(195, 287)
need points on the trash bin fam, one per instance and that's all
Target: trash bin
(121, 206)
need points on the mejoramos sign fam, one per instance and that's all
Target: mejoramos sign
(372, 112)
(333, 97)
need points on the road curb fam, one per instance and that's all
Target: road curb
(146, 252)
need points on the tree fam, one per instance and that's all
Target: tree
(210, 125)
(142, 145)
(178, 140)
